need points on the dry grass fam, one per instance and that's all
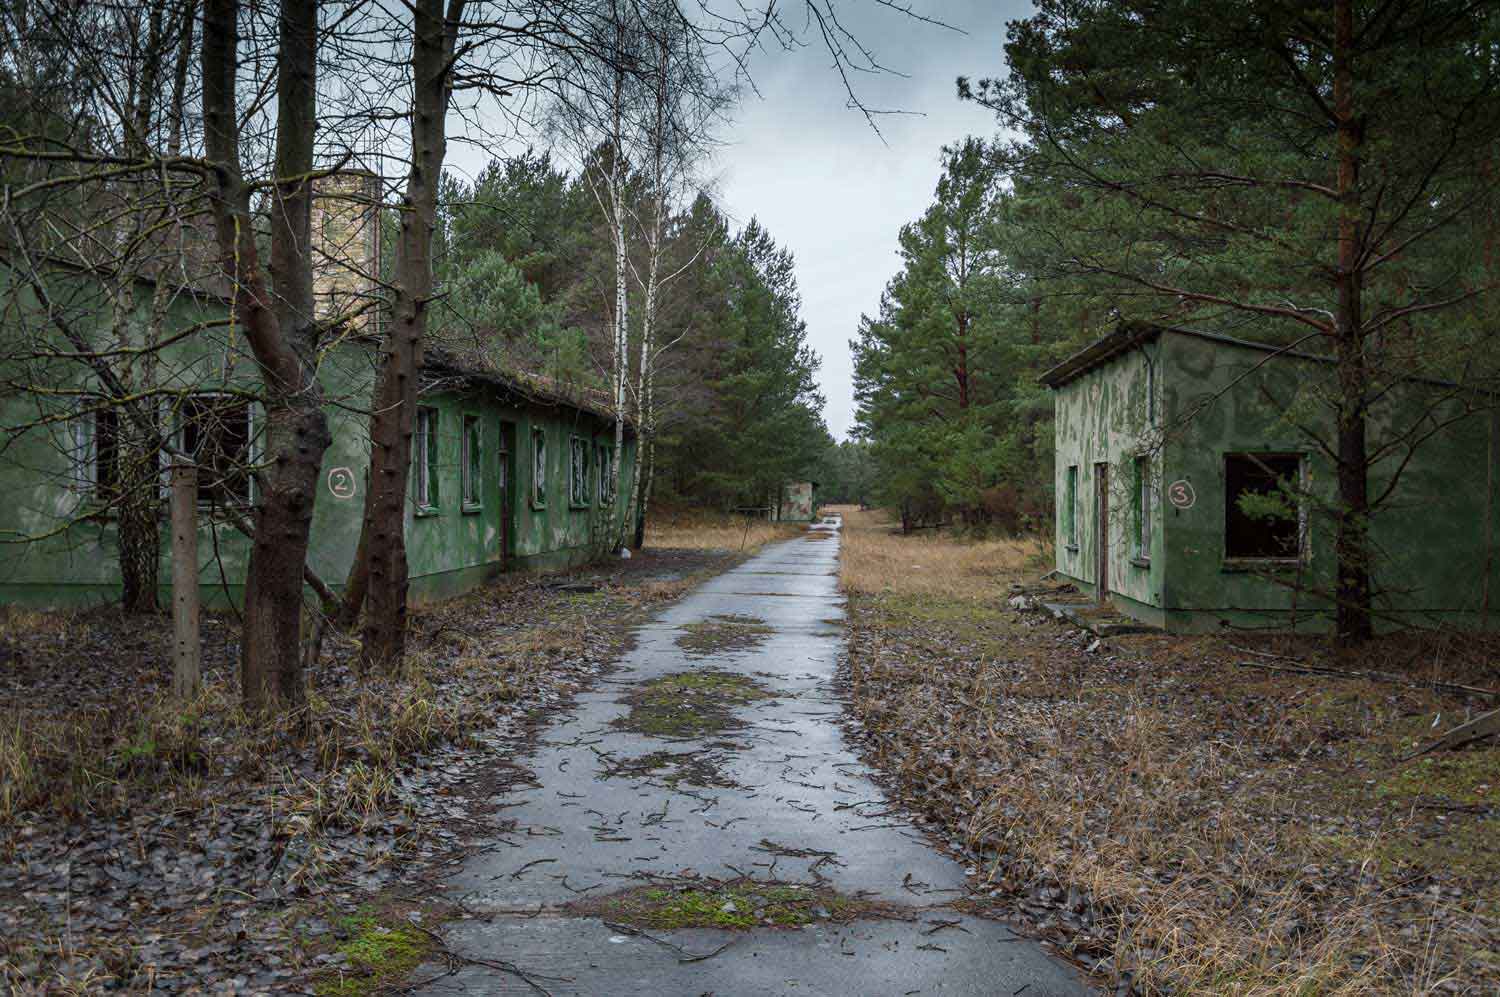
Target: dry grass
(701, 529)
(875, 560)
(1168, 815)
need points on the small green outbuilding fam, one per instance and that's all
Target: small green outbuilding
(1195, 478)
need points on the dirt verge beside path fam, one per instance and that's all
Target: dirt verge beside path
(1180, 822)
(150, 846)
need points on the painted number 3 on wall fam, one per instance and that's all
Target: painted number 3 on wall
(341, 482)
(1180, 494)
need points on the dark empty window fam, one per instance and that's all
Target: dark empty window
(424, 458)
(1262, 515)
(215, 430)
(101, 440)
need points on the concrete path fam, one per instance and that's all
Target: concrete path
(774, 794)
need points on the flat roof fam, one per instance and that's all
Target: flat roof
(1129, 335)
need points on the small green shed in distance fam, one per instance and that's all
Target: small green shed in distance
(1195, 489)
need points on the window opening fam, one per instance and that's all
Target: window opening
(1143, 500)
(1262, 508)
(471, 458)
(215, 431)
(606, 474)
(425, 457)
(578, 467)
(538, 467)
(1070, 507)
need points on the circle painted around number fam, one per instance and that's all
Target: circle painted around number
(341, 482)
(1180, 493)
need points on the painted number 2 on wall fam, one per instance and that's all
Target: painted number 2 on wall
(341, 482)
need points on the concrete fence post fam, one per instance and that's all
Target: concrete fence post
(187, 649)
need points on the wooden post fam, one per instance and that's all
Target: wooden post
(186, 673)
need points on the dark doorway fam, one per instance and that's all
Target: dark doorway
(506, 506)
(1101, 530)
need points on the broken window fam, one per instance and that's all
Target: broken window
(538, 467)
(95, 451)
(1142, 504)
(1070, 507)
(578, 466)
(471, 457)
(424, 456)
(1262, 506)
(606, 474)
(215, 431)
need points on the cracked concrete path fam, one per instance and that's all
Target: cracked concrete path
(675, 766)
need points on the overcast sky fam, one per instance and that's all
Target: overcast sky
(825, 185)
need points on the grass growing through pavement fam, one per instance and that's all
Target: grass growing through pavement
(689, 704)
(1207, 827)
(723, 635)
(737, 904)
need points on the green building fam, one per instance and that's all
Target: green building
(509, 471)
(1194, 488)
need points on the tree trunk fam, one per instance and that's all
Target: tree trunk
(137, 512)
(278, 328)
(1352, 590)
(388, 581)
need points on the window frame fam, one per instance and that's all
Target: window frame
(539, 468)
(608, 478)
(1303, 547)
(426, 483)
(1070, 521)
(179, 427)
(579, 480)
(1142, 510)
(471, 466)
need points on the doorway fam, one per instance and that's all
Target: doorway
(506, 506)
(1101, 530)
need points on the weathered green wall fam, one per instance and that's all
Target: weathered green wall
(453, 546)
(52, 553)
(1219, 398)
(1107, 416)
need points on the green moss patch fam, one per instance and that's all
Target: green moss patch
(723, 635)
(689, 704)
(376, 953)
(736, 905)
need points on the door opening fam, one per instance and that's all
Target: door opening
(506, 507)
(1101, 531)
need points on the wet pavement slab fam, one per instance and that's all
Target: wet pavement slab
(713, 755)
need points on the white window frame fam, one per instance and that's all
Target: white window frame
(539, 468)
(471, 494)
(578, 477)
(1144, 498)
(607, 474)
(179, 428)
(424, 454)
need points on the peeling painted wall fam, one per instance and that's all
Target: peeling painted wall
(1107, 416)
(75, 560)
(1216, 398)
